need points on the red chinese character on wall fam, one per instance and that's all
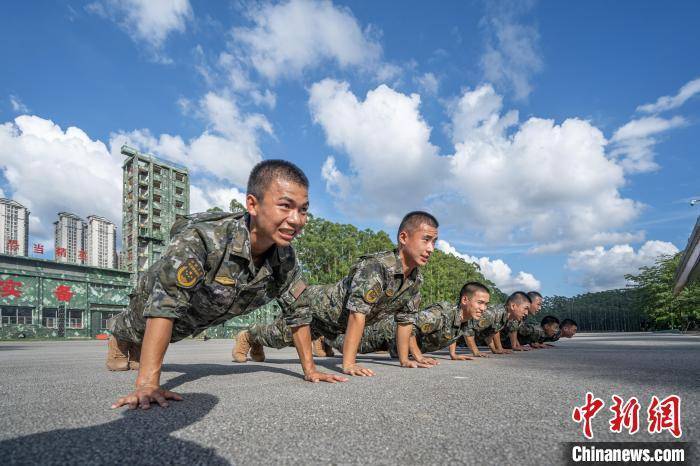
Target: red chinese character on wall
(626, 415)
(665, 415)
(63, 293)
(587, 412)
(60, 252)
(10, 287)
(82, 254)
(38, 248)
(12, 245)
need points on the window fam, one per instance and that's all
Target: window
(179, 177)
(48, 318)
(178, 204)
(156, 169)
(179, 191)
(156, 198)
(156, 184)
(16, 315)
(75, 319)
(156, 212)
(105, 317)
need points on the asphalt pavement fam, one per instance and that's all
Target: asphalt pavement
(55, 405)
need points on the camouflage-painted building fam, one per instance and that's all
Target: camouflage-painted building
(46, 299)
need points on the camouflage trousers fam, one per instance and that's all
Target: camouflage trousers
(277, 334)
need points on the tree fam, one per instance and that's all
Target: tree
(665, 309)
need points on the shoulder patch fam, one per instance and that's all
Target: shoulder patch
(371, 296)
(483, 322)
(425, 328)
(189, 273)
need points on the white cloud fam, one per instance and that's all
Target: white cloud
(228, 150)
(205, 195)
(497, 271)
(537, 180)
(668, 102)
(532, 182)
(511, 56)
(50, 170)
(600, 269)
(149, 21)
(290, 37)
(634, 145)
(17, 105)
(392, 163)
(428, 83)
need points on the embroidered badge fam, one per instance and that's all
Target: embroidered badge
(390, 292)
(188, 273)
(371, 296)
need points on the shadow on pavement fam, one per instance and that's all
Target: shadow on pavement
(137, 438)
(192, 372)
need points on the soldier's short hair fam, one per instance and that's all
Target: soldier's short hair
(548, 320)
(264, 172)
(534, 295)
(518, 297)
(568, 322)
(470, 288)
(413, 220)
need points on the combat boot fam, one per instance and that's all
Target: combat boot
(321, 349)
(240, 351)
(257, 352)
(328, 349)
(117, 354)
(134, 356)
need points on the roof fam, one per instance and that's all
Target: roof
(689, 268)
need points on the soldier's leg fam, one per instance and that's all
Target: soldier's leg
(127, 330)
(375, 337)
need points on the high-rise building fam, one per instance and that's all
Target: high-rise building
(101, 243)
(14, 228)
(70, 239)
(156, 192)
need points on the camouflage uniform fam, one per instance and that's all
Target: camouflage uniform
(436, 327)
(207, 276)
(530, 333)
(374, 286)
(493, 320)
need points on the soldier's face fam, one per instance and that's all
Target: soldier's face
(536, 305)
(568, 331)
(519, 311)
(551, 329)
(281, 214)
(476, 305)
(418, 245)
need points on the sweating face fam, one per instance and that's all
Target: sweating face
(281, 214)
(568, 331)
(418, 245)
(551, 329)
(519, 310)
(476, 305)
(535, 306)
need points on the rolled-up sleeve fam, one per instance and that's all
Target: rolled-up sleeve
(295, 309)
(176, 275)
(366, 287)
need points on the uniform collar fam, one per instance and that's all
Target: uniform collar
(397, 269)
(239, 246)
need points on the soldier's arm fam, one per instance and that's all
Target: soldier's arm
(514, 343)
(455, 356)
(353, 335)
(491, 342)
(302, 342)
(418, 354)
(471, 344)
(497, 343)
(177, 275)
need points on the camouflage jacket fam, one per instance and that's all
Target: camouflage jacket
(492, 320)
(207, 276)
(439, 325)
(530, 333)
(374, 286)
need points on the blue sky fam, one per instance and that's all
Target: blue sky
(555, 141)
